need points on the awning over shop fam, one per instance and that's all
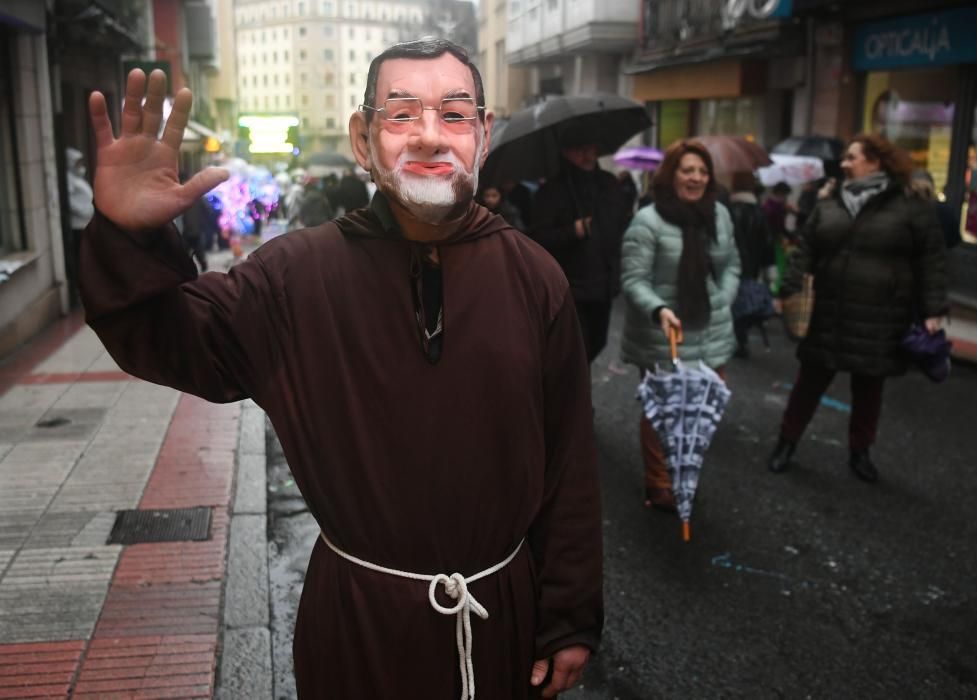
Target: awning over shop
(701, 81)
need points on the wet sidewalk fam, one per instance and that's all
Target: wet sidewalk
(80, 442)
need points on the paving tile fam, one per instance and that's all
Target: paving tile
(246, 595)
(48, 568)
(15, 527)
(59, 529)
(76, 355)
(104, 363)
(149, 666)
(246, 670)
(38, 669)
(56, 593)
(90, 395)
(78, 424)
(24, 404)
(96, 532)
(252, 438)
(250, 487)
(171, 608)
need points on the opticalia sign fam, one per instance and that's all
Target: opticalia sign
(935, 39)
(269, 134)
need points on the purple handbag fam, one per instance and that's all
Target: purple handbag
(931, 353)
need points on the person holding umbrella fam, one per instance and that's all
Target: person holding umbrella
(878, 259)
(679, 272)
(580, 217)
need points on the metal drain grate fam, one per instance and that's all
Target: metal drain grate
(174, 525)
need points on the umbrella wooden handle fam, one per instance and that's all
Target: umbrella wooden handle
(674, 338)
(686, 532)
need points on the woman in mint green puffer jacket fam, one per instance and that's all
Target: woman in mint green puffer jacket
(679, 268)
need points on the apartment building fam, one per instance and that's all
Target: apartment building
(506, 87)
(310, 58)
(572, 46)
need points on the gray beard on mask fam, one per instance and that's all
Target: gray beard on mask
(428, 200)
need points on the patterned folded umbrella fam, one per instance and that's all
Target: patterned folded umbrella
(684, 407)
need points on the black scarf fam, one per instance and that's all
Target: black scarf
(698, 223)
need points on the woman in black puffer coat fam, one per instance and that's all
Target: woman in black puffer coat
(879, 263)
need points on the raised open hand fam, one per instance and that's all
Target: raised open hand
(137, 185)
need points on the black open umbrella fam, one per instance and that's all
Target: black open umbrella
(823, 147)
(527, 147)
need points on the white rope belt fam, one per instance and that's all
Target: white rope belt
(456, 588)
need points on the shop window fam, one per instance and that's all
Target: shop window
(968, 217)
(740, 115)
(914, 110)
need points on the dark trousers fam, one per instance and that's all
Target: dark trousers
(812, 382)
(594, 316)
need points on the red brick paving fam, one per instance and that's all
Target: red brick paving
(180, 666)
(157, 634)
(40, 669)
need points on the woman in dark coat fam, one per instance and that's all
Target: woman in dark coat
(877, 255)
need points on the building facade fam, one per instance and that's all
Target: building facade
(572, 47)
(715, 67)
(506, 86)
(33, 285)
(310, 58)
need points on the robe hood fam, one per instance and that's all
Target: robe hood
(377, 221)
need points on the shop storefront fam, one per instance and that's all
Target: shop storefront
(723, 97)
(918, 77)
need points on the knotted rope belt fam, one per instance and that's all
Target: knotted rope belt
(456, 588)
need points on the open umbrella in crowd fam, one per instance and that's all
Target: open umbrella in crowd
(643, 158)
(734, 154)
(528, 147)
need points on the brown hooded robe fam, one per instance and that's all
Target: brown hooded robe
(419, 466)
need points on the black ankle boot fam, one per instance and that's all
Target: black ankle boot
(863, 467)
(780, 459)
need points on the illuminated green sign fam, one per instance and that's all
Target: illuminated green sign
(269, 134)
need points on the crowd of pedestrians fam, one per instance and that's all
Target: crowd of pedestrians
(710, 264)
(463, 442)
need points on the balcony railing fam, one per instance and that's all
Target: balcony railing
(669, 23)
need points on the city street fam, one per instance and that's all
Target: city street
(805, 584)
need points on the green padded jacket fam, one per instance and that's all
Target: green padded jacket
(649, 279)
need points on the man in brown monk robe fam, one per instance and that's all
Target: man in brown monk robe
(422, 364)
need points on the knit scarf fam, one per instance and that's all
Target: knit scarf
(856, 193)
(698, 223)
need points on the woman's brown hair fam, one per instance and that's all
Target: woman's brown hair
(892, 159)
(664, 182)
